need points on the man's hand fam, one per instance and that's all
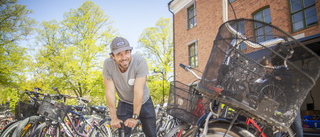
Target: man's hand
(131, 122)
(115, 123)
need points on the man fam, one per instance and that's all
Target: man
(282, 77)
(127, 73)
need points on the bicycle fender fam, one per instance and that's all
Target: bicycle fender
(202, 119)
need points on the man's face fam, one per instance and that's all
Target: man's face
(123, 59)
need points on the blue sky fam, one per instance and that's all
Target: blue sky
(130, 17)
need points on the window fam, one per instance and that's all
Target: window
(230, 1)
(303, 14)
(240, 28)
(191, 16)
(193, 55)
(262, 32)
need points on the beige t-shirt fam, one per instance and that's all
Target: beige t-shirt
(124, 82)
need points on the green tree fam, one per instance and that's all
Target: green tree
(71, 53)
(156, 42)
(87, 30)
(15, 25)
(48, 59)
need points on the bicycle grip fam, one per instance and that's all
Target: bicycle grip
(183, 66)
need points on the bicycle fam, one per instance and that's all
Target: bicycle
(6, 117)
(187, 105)
(58, 120)
(51, 115)
(23, 110)
(223, 112)
(165, 122)
(265, 108)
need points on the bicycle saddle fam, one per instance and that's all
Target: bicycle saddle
(99, 109)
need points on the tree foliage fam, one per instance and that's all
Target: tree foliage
(156, 42)
(71, 52)
(15, 26)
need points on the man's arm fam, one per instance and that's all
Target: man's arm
(111, 97)
(284, 75)
(137, 100)
(138, 94)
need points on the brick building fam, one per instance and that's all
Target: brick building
(196, 24)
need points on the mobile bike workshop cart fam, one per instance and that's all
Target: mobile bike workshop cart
(242, 79)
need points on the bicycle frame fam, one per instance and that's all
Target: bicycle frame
(250, 121)
(94, 123)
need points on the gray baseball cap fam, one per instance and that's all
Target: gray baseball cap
(119, 44)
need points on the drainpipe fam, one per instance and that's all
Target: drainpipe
(174, 72)
(225, 10)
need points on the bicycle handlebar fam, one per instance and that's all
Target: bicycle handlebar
(84, 100)
(188, 68)
(36, 96)
(267, 43)
(183, 66)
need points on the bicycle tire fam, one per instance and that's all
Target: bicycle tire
(174, 132)
(218, 129)
(20, 128)
(9, 129)
(39, 128)
(276, 93)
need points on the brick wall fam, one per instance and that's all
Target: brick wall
(209, 19)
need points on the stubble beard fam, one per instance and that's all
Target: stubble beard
(124, 66)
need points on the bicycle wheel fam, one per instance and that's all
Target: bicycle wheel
(218, 129)
(25, 126)
(37, 131)
(276, 93)
(9, 129)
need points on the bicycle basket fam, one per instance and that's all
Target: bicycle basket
(186, 103)
(245, 82)
(52, 109)
(23, 109)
